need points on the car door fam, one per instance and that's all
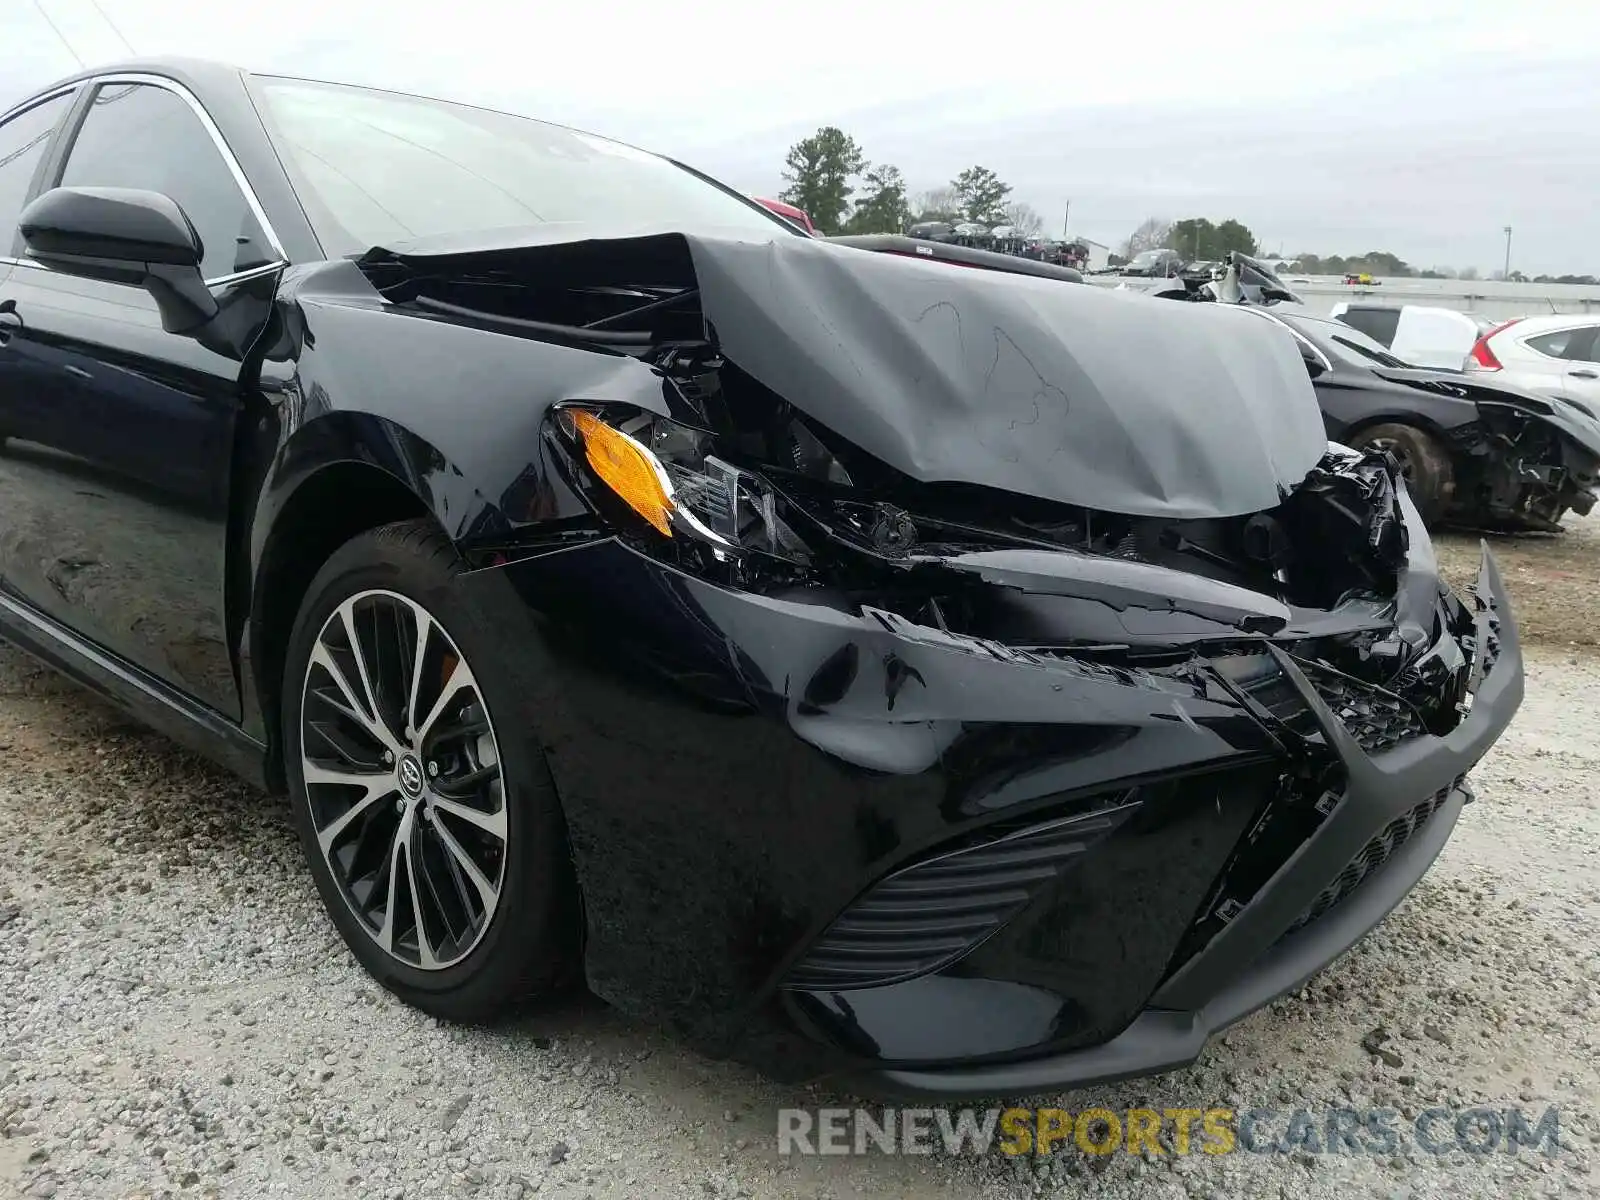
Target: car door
(1559, 362)
(1580, 374)
(24, 140)
(120, 435)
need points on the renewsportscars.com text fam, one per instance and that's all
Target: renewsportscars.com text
(1167, 1131)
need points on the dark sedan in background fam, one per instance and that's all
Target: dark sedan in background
(1473, 451)
(971, 680)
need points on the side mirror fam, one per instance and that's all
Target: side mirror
(1314, 365)
(129, 235)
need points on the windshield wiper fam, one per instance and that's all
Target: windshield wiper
(585, 334)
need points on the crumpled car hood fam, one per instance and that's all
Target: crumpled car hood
(1064, 392)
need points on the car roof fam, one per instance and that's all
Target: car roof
(196, 74)
(1548, 321)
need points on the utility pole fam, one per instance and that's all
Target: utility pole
(1066, 222)
(1507, 274)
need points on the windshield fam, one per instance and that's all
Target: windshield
(374, 168)
(1146, 257)
(1349, 344)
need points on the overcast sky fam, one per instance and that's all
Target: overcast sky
(1417, 126)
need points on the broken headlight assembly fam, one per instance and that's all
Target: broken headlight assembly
(663, 483)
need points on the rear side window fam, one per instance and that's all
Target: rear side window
(1552, 344)
(1572, 344)
(1584, 345)
(23, 140)
(1379, 324)
(138, 135)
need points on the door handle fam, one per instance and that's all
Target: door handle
(1584, 373)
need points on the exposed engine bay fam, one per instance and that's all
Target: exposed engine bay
(736, 484)
(1519, 472)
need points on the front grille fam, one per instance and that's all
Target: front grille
(1373, 855)
(926, 916)
(1378, 719)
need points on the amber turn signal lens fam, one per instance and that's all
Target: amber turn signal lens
(627, 469)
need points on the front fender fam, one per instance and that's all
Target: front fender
(452, 410)
(362, 438)
(1348, 410)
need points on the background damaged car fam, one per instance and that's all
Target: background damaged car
(961, 678)
(1474, 450)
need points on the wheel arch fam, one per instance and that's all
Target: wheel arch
(336, 477)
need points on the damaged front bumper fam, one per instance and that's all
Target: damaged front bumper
(1395, 813)
(827, 840)
(1521, 470)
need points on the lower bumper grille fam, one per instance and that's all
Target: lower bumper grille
(1373, 855)
(926, 916)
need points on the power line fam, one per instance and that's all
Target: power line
(113, 25)
(57, 29)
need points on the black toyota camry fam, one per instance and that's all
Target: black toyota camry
(967, 681)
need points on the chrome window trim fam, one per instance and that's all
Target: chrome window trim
(219, 281)
(241, 276)
(210, 126)
(31, 103)
(65, 89)
(1578, 322)
(189, 98)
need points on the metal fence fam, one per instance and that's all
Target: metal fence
(1497, 301)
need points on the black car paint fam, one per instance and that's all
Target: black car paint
(735, 767)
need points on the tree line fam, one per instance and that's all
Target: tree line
(1199, 239)
(829, 176)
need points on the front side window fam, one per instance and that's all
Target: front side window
(1347, 342)
(374, 168)
(140, 135)
(23, 140)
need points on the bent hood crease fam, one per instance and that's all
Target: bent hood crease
(1046, 388)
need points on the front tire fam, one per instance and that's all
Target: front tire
(1423, 462)
(421, 796)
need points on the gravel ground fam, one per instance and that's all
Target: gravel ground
(178, 1018)
(1554, 578)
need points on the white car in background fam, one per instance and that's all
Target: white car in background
(1549, 356)
(1423, 335)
